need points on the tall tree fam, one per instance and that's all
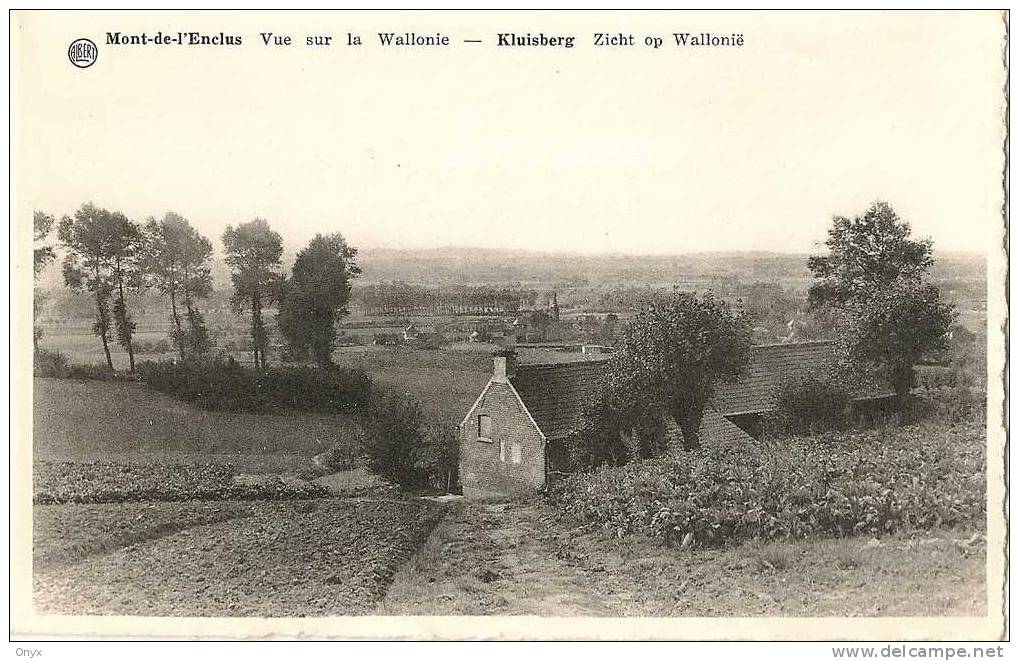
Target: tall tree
(88, 265)
(874, 280)
(866, 253)
(162, 264)
(893, 329)
(673, 353)
(42, 255)
(42, 223)
(125, 250)
(315, 296)
(253, 253)
(177, 260)
(197, 281)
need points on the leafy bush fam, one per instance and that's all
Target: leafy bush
(156, 346)
(54, 365)
(227, 386)
(402, 447)
(94, 372)
(951, 394)
(340, 457)
(106, 482)
(811, 404)
(51, 364)
(836, 484)
(438, 457)
(393, 437)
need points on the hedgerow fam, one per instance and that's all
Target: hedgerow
(225, 385)
(836, 484)
(53, 364)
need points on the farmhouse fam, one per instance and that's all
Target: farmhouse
(526, 407)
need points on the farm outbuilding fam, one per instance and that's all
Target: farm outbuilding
(527, 407)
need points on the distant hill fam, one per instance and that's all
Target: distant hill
(452, 266)
(463, 265)
(457, 265)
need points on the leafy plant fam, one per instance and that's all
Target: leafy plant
(811, 404)
(866, 254)
(836, 484)
(43, 254)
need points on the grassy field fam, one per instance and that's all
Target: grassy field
(89, 420)
(446, 383)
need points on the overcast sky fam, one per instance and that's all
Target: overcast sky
(591, 150)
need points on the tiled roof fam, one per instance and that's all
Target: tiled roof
(770, 366)
(557, 394)
(715, 430)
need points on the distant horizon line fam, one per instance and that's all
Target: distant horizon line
(576, 253)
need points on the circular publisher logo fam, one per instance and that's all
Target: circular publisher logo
(82, 53)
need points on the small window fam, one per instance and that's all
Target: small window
(484, 427)
(502, 451)
(515, 453)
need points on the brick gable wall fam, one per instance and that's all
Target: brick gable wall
(483, 472)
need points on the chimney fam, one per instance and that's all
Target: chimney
(504, 365)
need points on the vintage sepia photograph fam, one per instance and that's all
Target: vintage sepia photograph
(590, 324)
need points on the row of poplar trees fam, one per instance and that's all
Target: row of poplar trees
(108, 255)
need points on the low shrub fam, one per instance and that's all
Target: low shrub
(439, 456)
(811, 404)
(341, 457)
(52, 364)
(160, 346)
(93, 372)
(836, 484)
(393, 428)
(402, 447)
(949, 395)
(107, 482)
(225, 385)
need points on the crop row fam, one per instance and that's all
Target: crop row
(836, 484)
(107, 482)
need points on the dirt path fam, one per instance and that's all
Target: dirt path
(514, 560)
(538, 575)
(505, 559)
